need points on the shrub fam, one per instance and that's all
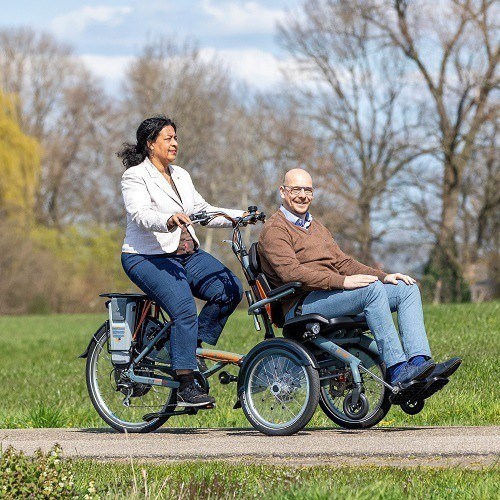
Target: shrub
(45, 475)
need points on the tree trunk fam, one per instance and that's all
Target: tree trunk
(365, 237)
(444, 263)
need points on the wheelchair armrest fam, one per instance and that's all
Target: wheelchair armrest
(278, 293)
(294, 285)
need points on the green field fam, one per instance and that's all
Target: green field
(43, 382)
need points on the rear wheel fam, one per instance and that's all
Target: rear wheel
(280, 394)
(120, 402)
(334, 392)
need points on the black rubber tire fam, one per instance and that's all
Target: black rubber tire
(374, 416)
(361, 408)
(95, 350)
(413, 407)
(308, 374)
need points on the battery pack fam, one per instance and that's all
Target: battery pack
(122, 315)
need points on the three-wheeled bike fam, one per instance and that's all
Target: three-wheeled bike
(334, 361)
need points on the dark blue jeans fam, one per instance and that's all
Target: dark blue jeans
(173, 281)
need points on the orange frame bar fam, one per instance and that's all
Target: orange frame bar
(216, 355)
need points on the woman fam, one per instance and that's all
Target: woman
(161, 253)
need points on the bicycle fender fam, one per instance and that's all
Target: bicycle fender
(305, 357)
(86, 352)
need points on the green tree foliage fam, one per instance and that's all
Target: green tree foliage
(44, 269)
(19, 166)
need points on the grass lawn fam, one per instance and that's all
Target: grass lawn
(43, 381)
(218, 480)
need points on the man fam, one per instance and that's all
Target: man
(295, 247)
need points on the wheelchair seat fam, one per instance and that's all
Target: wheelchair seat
(295, 327)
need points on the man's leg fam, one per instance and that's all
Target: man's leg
(372, 300)
(211, 281)
(405, 299)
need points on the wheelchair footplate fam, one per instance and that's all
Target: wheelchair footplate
(434, 385)
(418, 390)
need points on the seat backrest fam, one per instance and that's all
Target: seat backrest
(274, 309)
(254, 260)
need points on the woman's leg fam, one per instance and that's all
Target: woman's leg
(372, 300)
(405, 299)
(211, 281)
(164, 280)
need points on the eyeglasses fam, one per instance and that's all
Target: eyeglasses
(295, 190)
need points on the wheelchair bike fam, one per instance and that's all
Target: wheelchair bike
(133, 387)
(354, 389)
(280, 381)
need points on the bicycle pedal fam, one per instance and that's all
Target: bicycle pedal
(210, 406)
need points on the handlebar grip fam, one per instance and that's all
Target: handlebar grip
(198, 215)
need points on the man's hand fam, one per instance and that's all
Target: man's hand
(393, 278)
(180, 219)
(358, 281)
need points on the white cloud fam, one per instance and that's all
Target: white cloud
(258, 68)
(74, 23)
(241, 18)
(110, 69)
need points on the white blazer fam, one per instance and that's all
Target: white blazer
(150, 201)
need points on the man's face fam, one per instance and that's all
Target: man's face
(297, 194)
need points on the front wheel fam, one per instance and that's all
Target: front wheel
(122, 403)
(280, 393)
(334, 392)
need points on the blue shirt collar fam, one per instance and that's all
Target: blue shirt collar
(293, 218)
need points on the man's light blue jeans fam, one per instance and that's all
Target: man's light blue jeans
(377, 301)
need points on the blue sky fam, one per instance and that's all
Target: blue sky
(107, 33)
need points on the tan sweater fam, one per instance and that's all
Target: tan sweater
(292, 253)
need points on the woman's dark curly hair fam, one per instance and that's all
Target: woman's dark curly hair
(133, 154)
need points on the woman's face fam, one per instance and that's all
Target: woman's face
(164, 148)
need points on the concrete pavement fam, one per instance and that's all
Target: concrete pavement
(430, 446)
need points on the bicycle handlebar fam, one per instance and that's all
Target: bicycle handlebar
(203, 218)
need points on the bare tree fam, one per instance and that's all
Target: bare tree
(365, 134)
(479, 210)
(213, 126)
(454, 47)
(67, 110)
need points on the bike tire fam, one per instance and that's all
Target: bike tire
(377, 394)
(106, 399)
(276, 384)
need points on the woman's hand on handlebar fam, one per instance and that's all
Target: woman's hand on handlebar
(179, 219)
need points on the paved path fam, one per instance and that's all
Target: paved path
(434, 446)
